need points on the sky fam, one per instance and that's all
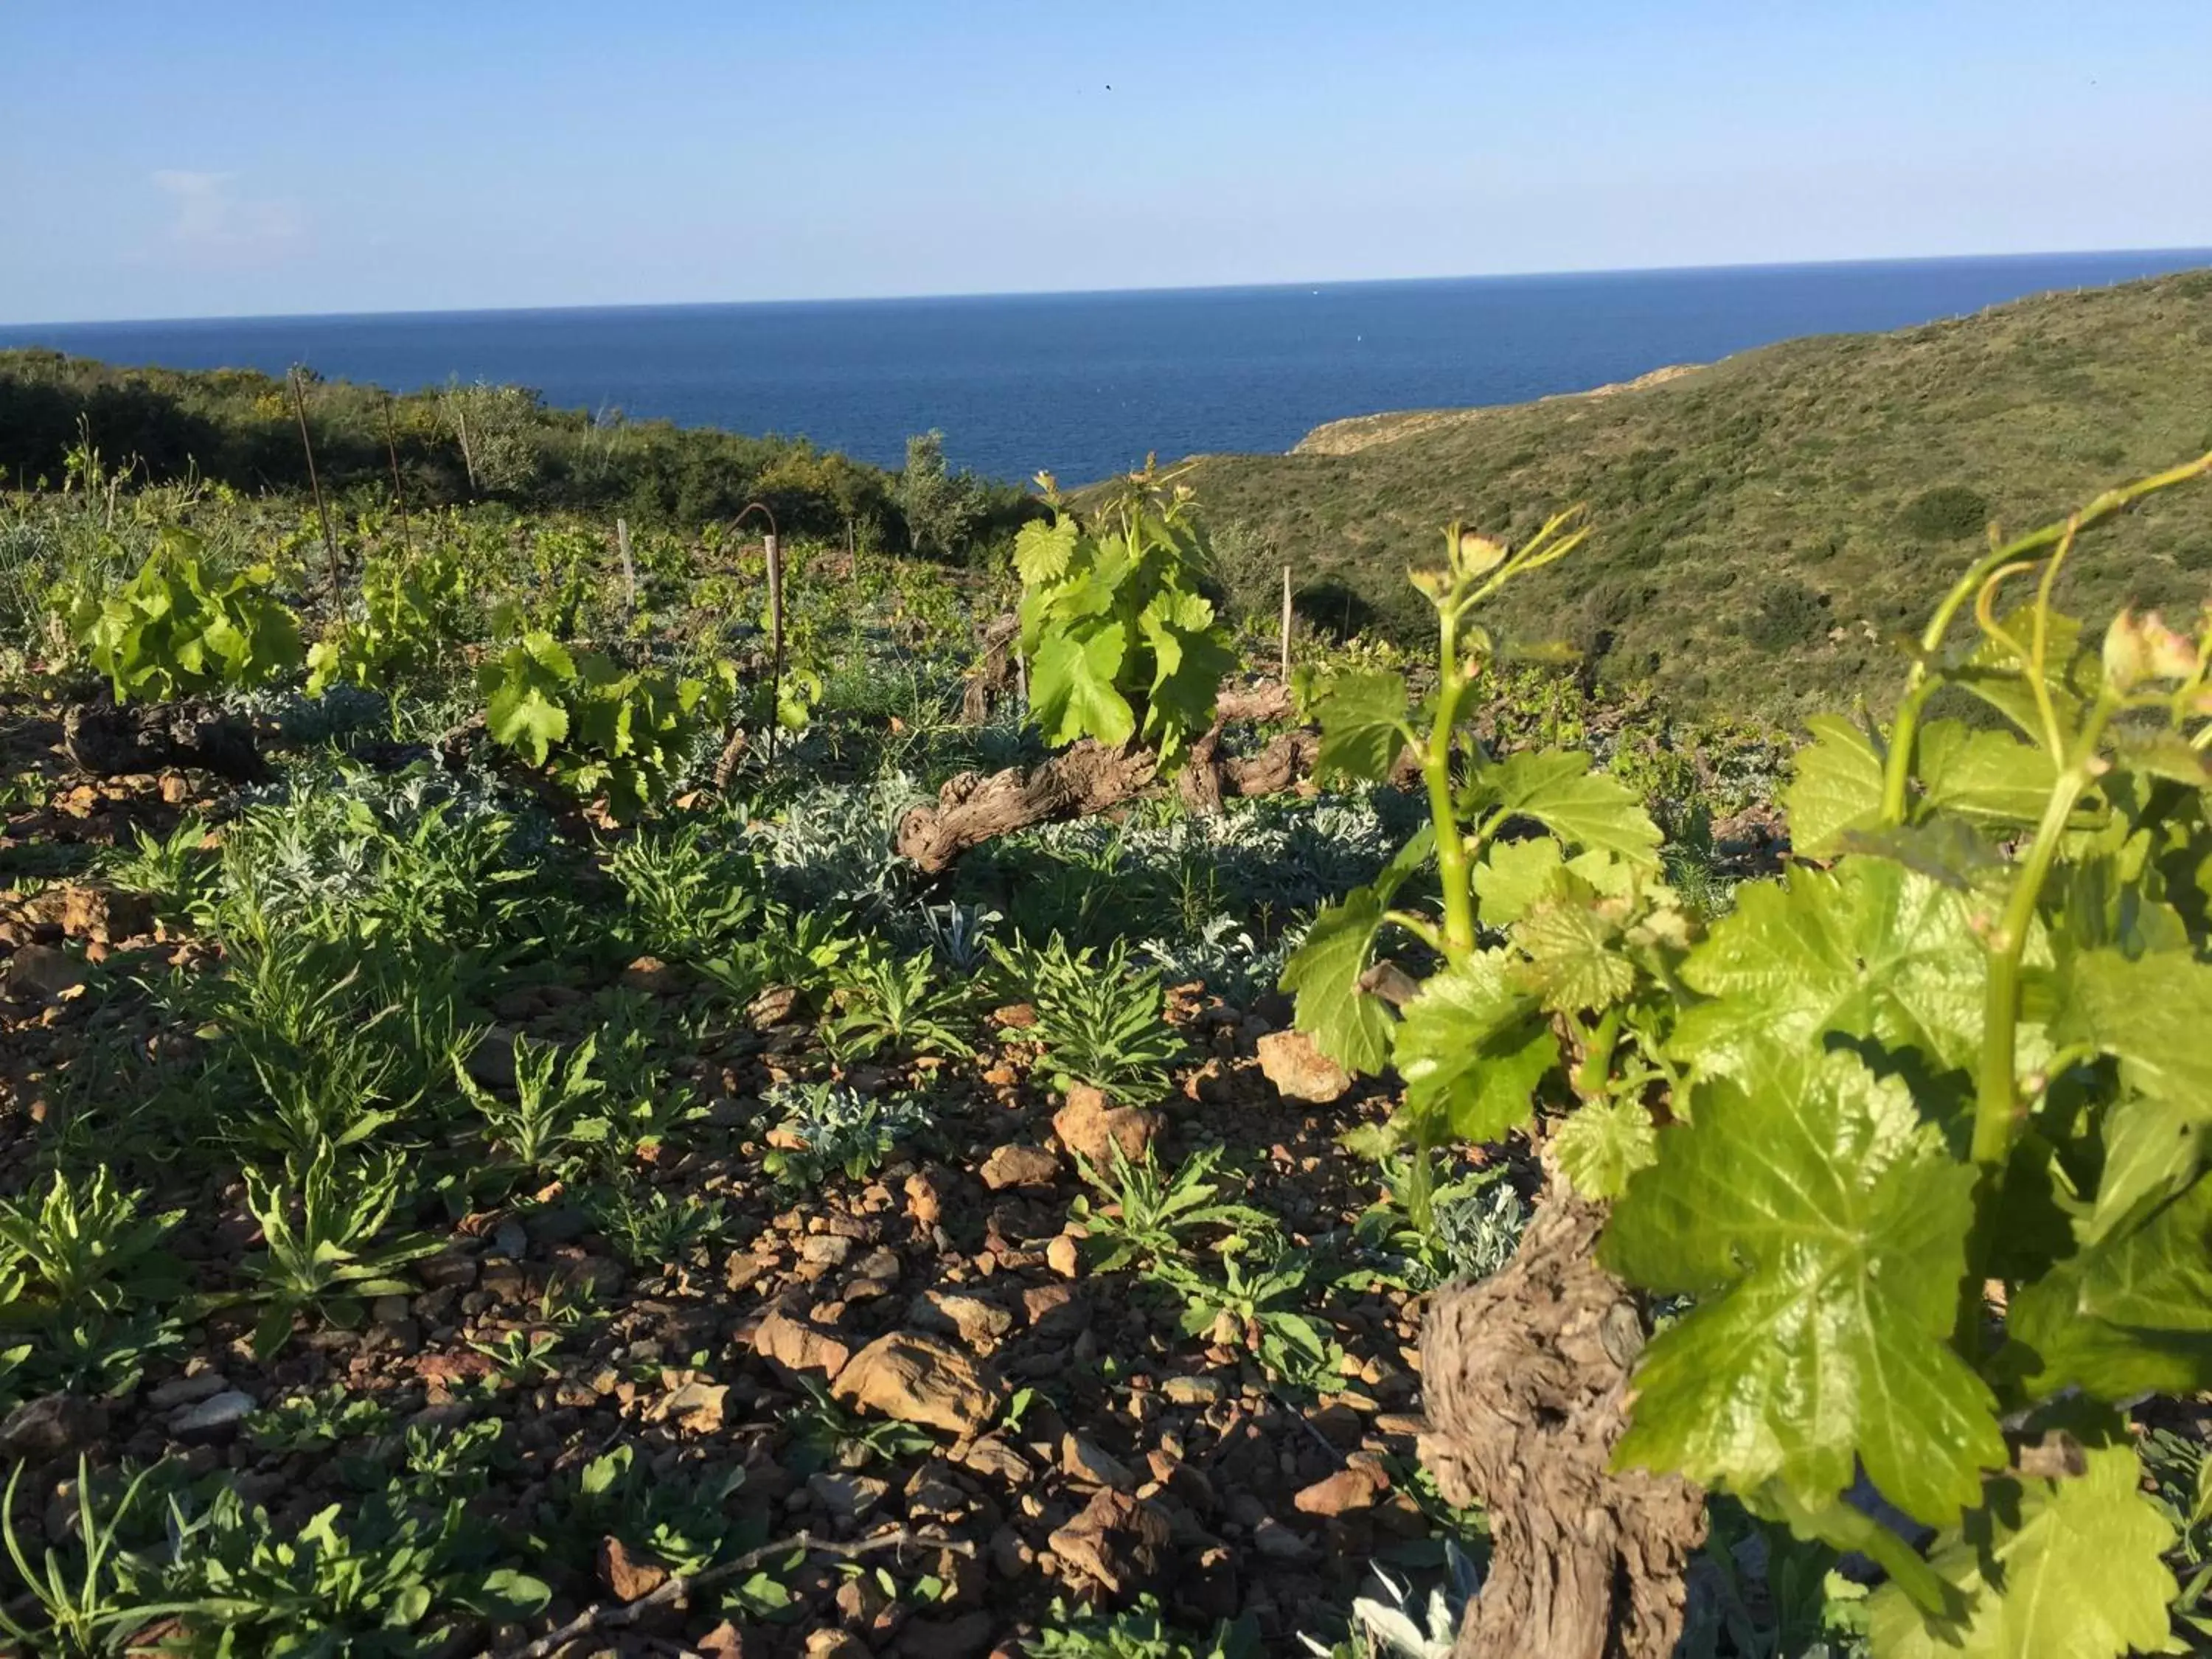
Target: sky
(225, 158)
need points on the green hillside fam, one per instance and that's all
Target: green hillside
(1765, 525)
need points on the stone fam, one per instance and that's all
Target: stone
(793, 1344)
(38, 973)
(947, 1638)
(1278, 1542)
(827, 1644)
(1019, 1166)
(696, 1405)
(745, 1268)
(51, 1424)
(1062, 1256)
(1092, 1128)
(1355, 1488)
(1084, 1460)
(1120, 1540)
(918, 1379)
(628, 1574)
(509, 1240)
(185, 1390)
(106, 917)
(995, 1459)
(652, 975)
(847, 1497)
(218, 1412)
(1299, 1070)
(976, 1321)
(724, 1640)
(1055, 1309)
(1195, 1391)
(491, 1062)
(825, 1249)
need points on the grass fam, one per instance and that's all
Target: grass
(1765, 527)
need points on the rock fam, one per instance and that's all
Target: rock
(185, 1390)
(1339, 1425)
(491, 1062)
(1278, 1542)
(918, 1379)
(628, 1574)
(1092, 1129)
(212, 1415)
(38, 973)
(793, 1345)
(1120, 1540)
(1019, 1166)
(847, 1497)
(509, 1240)
(1086, 1460)
(1356, 1487)
(995, 1459)
(104, 916)
(976, 1321)
(1055, 1309)
(696, 1405)
(1299, 1070)
(448, 1270)
(1062, 1256)
(652, 975)
(50, 1425)
(825, 1249)
(947, 1638)
(1195, 1391)
(745, 1268)
(827, 1644)
(1010, 1555)
(724, 1640)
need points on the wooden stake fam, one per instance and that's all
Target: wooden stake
(629, 570)
(315, 484)
(774, 638)
(1022, 676)
(398, 489)
(1287, 624)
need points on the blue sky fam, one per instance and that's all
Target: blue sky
(227, 158)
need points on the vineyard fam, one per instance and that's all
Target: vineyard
(569, 1087)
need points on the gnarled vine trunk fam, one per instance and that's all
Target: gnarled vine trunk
(1088, 777)
(1525, 1378)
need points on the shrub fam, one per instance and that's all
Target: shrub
(1948, 513)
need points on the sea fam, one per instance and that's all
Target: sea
(1087, 385)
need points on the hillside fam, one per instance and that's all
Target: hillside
(1764, 524)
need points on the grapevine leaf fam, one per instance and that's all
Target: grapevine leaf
(2130, 1315)
(1603, 1144)
(2151, 1013)
(1999, 677)
(1824, 1227)
(1867, 949)
(1514, 876)
(1072, 683)
(1582, 807)
(1837, 787)
(1363, 725)
(1043, 551)
(2153, 1149)
(1472, 1049)
(1572, 962)
(2051, 1568)
(1347, 1024)
(1989, 778)
(2164, 754)
(522, 717)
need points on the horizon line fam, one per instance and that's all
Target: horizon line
(1162, 289)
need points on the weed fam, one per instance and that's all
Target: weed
(1100, 1021)
(825, 1126)
(319, 1228)
(1148, 1214)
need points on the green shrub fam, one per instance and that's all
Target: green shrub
(1948, 513)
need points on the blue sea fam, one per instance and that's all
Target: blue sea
(1085, 385)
